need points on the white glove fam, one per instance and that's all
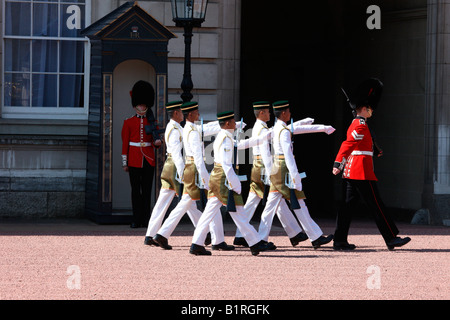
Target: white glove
(124, 160)
(306, 121)
(238, 189)
(329, 130)
(238, 125)
(297, 182)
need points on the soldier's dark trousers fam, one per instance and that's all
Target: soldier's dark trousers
(368, 192)
(141, 180)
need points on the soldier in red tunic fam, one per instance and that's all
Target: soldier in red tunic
(355, 160)
(138, 151)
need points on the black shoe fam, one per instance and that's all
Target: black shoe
(298, 238)
(199, 250)
(150, 242)
(262, 246)
(240, 241)
(208, 239)
(269, 245)
(345, 246)
(321, 241)
(162, 241)
(222, 246)
(397, 242)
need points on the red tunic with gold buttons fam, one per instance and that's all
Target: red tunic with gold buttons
(356, 152)
(136, 144)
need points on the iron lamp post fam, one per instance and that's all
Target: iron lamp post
(188, 14)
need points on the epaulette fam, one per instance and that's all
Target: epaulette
(227, 150)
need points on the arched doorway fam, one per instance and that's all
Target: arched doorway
(125, 75)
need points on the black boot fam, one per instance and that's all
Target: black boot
(222, 246)
(321, 241)
(397, 242)
(162, 241)
(150, 242)
(240, 241)
(269, 245)
(344, 246)
(298, 238)
(262, 246)
(199, 250)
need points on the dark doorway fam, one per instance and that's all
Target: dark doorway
(295, 53)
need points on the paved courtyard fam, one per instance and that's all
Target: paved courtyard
(80, 260)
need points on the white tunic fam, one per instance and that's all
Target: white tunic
(174, 144)
(224, 150)
(193, 145)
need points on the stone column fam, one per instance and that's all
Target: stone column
(436, 192)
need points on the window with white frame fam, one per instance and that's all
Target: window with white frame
(45, 64)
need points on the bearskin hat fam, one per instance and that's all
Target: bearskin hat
(142, 93)
(368, 93)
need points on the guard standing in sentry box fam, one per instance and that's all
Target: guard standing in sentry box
(139, 139)
(355, 159)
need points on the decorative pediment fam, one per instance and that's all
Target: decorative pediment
(128, 22)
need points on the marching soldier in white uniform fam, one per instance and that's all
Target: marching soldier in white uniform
(173, 167)
(195, 175)
(284, 170)
(222, 178)
(262, 165)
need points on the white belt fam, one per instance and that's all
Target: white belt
(362, 153)
(140, 144)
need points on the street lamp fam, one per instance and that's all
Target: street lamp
(188, 14)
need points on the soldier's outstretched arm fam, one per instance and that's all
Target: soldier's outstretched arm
(312, 128)
(254, 141)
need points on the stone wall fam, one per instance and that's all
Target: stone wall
(41, 177)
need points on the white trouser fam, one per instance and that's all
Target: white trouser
(274, 200)
(287, 219)
(188, 205)
(159, 212)
(212, 209)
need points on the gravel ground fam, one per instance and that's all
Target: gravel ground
(80, 260)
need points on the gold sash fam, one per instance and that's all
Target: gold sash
(218, 189)
(277, 180)
(189, 175)
(257, 185)
(168, 175)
